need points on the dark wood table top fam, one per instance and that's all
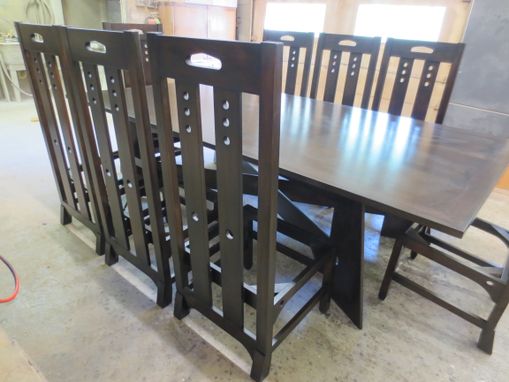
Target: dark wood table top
(424, 172)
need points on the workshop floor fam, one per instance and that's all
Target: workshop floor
(78, 320)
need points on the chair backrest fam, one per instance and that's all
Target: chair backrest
(362, 58)
(243, 68)
(43, 55)
(129, 176)
(142, 29)
(297, 42)
(425, 64)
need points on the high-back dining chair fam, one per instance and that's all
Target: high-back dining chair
(242, 70)
(425, 62)
(143, 29)
(128, 175)
(437, 248)
(296, 42)
(362, 52)
(43, 54)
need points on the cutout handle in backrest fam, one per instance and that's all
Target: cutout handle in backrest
(204, 61)
(347, 43)
(287, 38)
(422, 49)
(95, 47)
(134, 30)
(37, 37)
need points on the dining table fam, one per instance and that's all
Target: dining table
(357, 159)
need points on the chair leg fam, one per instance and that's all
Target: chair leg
(486, 340)
(65, 217)
(487, 336)
(99, 244)
(164, 291)
(261, 365)
(391, 267)
(181, 309)
(327, 282)
(413, 255)
(111, 257)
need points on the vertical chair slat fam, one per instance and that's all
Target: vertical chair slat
(169, 173)
(63, 116)
(126, 151)
(316, 68)
(425, 89)
(96, 102)
(228, 132)
(400, 86)
(331, 80)
(352, 77)
(188, 104)
(291, 71)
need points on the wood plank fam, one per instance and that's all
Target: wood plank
(188, 103)
(126, 150)
(97, 109)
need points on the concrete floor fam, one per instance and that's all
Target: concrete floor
(79, 320)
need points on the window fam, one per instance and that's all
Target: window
(410, 22)
(297, 17)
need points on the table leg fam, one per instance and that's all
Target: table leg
(347, 235)
(393, 226)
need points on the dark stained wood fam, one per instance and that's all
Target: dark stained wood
(230, 200)
(143, 29)
(127, 219)
(111, 179)
(434, 54)
(245, 68)
(295, 41)
(67, 155)
(413, 170)
(393, 227)
(357, 47)
(419, 171)
(419, 239)
(347, 234)
(195, 188)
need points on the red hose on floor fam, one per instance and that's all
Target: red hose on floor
(16, 282)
